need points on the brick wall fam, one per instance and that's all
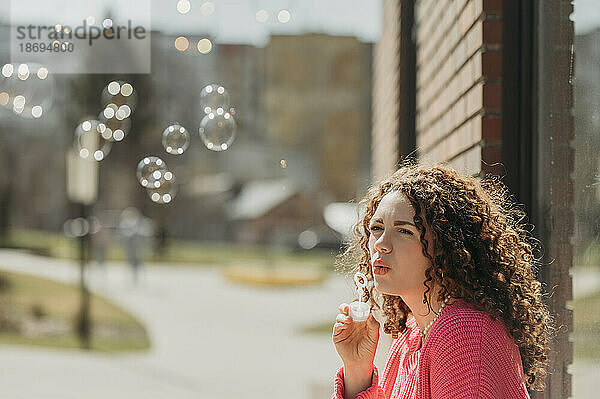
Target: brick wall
(459, 69)
(459, 119)
(386, 92)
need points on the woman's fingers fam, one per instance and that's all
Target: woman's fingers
(343, 308)
(339, 328)
(341, 318)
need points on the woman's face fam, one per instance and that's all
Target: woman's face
(394, 243)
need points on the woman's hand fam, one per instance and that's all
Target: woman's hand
(355, 342)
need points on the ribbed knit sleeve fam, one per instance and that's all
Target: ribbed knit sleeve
(475, 358)
(399, 377)
(373, 392)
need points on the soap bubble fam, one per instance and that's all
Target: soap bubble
(167, 190)
(119, 93)
(151, 171)
(117, 129)
(176, 139)
(27, 89)
(184, 6)
(308, 239)
(91, 140)
(77, 227)
(217, 131)
(212, 97)
(123, 112)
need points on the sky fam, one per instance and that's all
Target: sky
(232, 21)
(235, 21)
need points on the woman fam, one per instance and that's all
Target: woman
(452, 267)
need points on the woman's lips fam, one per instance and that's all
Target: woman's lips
(380, 270)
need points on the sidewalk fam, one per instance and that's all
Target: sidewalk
(210, 338)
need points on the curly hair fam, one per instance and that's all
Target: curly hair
(482, 254)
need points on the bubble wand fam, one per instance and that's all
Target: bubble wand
(360, 310)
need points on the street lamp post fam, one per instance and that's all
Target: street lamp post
(82, 188)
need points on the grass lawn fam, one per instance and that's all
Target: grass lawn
(37, 311)
(178, 251)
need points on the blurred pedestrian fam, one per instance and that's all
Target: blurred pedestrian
(129, 227)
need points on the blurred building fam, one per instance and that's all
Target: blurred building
(318, 102)
(294, 102)
(32, 160)
(272, 211)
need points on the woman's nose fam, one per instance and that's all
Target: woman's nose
(382, 245)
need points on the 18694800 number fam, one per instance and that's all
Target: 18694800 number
(54, 46)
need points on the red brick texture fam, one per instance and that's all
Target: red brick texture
(459, 90)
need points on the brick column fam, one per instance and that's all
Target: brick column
(459, 69)
(386, 92)
(555, 189)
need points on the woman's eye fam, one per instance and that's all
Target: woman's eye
(406, 231)
(375, 228)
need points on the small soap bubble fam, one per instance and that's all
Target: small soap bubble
(27, 89)
(176, 139)
(262, 16)
(113, 88)
(145, 171)
(116, 129)
(78, 227)
(126, 90)
(36, 111)
(90, 140)
(212, 97)
(119, 93)
(7, 70)
(361, 280)
(124, 111)
(165, 193)
(42, 73)
(207, 8)
(217, 131)
(308, 239)
(109, 112)
(184, 6)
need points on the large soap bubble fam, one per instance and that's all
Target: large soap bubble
(91, 140)
(176, 139)
(217, 130)
(212, 97)
(27, 89)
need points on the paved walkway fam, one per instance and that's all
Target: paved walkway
(210, 338)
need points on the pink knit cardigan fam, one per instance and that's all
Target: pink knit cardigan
(466, 355)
